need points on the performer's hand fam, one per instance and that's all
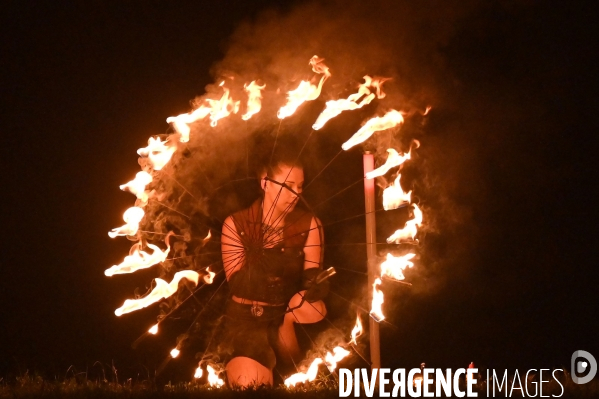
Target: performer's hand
(314, 292)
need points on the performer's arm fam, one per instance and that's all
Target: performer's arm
(312, 308)
(231, 248)
(314, 244)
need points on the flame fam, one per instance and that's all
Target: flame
(217, 109)
(357, 331)
(199, 372)
(213, 379)
(318, 66)
(377, 83)
(417, 381)
(393, 267)
(377, 301)
(175, 352)
(132, 217)
(335, 107)
(393, 160)
(331, 359)
(409, 230)
(158, 152)
(223, 107)
(138, 185)
(161, 290)
(387, 121)
(254, 99)
(394, 196)
(305, 90)
(209, 278)
(309, 375)
(138, 259)
(181, 122)
(154, 329)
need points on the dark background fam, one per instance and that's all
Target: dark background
(84, 84)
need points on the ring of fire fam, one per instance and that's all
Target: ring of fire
(159, 152)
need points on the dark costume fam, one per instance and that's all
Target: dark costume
(271, 275)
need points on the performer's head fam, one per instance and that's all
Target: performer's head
(281, 178)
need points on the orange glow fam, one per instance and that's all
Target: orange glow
(254, 91)
(223, 107)
(138, 259)
(357, 331)
(209, 278)
(181, 122)
(394, 196)
(393, 160)
(377, 302)
(336, 107)
(387, 121)
(161, 290)
(213, 379)
(158, 152)
(199, 372)
(175, 352)
(331, 359)
(154, 329)
(305, 91)
(409, 231)
(393, 267)
(138, 185)
(132, 217)
(309, 375)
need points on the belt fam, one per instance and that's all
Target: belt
(256, 307)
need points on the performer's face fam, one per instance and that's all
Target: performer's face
(284, 199)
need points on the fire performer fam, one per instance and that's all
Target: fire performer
(272, 255)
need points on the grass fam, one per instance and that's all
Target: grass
(78, 385)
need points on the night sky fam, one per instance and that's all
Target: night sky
(509, 275)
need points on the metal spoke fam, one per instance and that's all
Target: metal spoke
(322, 170)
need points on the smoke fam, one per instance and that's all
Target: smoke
(213, 174)
(399, 41)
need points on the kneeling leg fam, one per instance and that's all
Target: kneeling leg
(244, 372)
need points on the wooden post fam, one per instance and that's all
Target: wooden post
(375, 343)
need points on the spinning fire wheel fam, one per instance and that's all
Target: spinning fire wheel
(193, 179)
